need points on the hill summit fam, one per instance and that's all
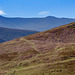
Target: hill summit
(50, 52)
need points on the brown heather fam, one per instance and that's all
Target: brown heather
(50, 52)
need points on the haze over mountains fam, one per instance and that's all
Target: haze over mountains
(37, 24)
(51, 52)
(2, 40)
(7, 34)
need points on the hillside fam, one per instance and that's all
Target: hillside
(37, 24)
(9, 34)
(50, 52)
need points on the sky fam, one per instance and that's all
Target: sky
(37, 8)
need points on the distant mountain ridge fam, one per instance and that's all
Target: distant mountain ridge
(38, 24)
(7, 34)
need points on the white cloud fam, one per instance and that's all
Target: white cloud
(44, 13)
(2, 13)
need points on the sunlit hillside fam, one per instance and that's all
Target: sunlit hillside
(50, 52)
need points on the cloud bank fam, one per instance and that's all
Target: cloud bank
(44, 13)
(2, 13)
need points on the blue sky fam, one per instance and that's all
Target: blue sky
(37, 8)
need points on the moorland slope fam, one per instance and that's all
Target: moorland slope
(50, 52)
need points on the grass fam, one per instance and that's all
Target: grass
(39, 54)
(50, 63)
(27, 67)
(58, 68)
(31, 43)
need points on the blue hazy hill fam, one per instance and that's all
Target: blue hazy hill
(38, 24)
(7, 34)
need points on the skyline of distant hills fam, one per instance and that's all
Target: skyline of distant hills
(37, 24)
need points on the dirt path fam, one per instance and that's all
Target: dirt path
(31, 43)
